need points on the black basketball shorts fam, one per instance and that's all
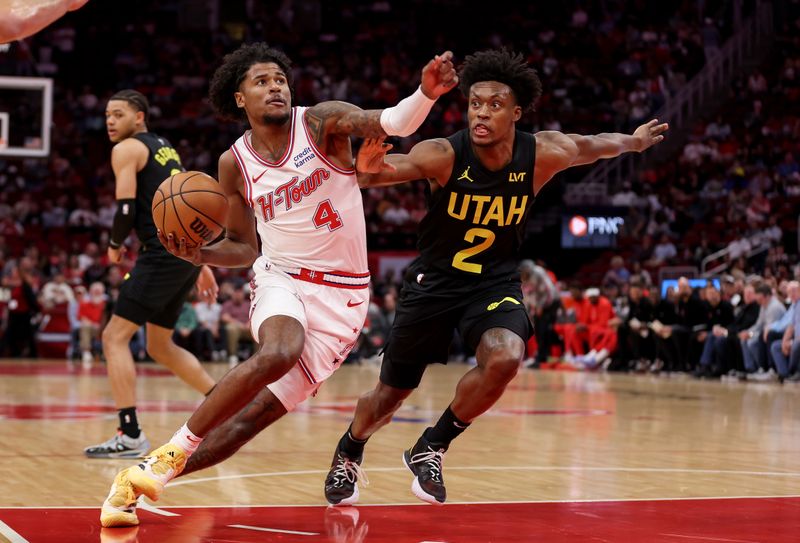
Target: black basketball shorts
(156, 288)
(428, 314)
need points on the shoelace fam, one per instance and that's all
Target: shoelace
(433, 458)
(347, 470)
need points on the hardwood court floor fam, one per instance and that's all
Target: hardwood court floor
(562, 457)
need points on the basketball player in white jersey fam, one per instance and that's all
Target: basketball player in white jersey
(293, 172)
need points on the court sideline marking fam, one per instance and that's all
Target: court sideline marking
(499, 468)
(12, 536)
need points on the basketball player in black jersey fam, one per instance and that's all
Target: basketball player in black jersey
(483, 181)
(159, 282)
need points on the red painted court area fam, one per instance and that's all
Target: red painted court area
(737, 520)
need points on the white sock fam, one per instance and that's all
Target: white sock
(602, 354)
(186, 440)
(591, 354)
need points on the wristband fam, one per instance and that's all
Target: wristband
(407, 116)
(123, 222)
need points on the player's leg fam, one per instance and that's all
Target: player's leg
(177, 359)
(421, 333)
(224, 440)
(498, 334)
(129, 441)
(281, 339)
(279, 314)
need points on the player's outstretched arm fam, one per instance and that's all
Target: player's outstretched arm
(593, 148)
(429, 159)
(239, 248)
(344, 119)
(556, 151)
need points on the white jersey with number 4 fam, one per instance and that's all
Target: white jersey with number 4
(308, 211)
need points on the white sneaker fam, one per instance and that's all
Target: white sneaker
(763, 376)
(233, 360)
(120, 446)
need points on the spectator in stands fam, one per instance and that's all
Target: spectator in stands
(542, 300)
(236, 317)
(56, 292)
(719, 315)
(786, 353)
(210, 338)
(617, 274)
(593, 331)
(184, 335)
(664, 251)
(53, 216)
(636, 346)
(641, 275)
(22, 308)
(726, 355)
(83, 217)
(692, 313)
(753, 346)
(779, 338)
(91, 309)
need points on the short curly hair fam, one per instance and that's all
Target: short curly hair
(226, 80)
(505, 67)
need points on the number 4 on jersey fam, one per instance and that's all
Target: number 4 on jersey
(325, 215)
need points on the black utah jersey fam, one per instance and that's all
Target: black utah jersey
(475, 223)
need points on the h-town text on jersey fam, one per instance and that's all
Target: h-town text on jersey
(290, 193)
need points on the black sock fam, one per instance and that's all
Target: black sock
(446, 430)
(352, 447)
(128, 423)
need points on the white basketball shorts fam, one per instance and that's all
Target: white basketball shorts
(331, 307)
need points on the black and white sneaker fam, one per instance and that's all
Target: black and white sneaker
(120, 446)
(424, 460)
(341, 484)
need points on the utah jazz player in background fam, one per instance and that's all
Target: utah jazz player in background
(159, 282)
(483, 181)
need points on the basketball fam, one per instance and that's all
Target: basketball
(190, 205)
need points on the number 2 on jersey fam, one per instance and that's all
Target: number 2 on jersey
(459, 260)
(325, 215)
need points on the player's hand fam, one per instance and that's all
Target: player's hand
(649, 134)
(115, 255)
(371, 156)
(786, 347)
(439, 76)
(207, 288)
(179, 248)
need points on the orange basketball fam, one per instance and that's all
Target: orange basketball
(190, 205)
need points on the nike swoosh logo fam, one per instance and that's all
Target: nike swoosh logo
(351, 304)
(256, 178)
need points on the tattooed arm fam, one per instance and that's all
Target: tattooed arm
(223, 441)
(343, 119)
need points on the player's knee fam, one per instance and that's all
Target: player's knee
(276, 358)
(241, 432)
(502, 365)
(112, 337)
(388, 399)
(156, 349)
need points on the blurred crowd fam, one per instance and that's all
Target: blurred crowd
(605, 65)
(735, 328)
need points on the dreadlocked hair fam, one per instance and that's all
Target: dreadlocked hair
(226, 80)
(505, 67)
